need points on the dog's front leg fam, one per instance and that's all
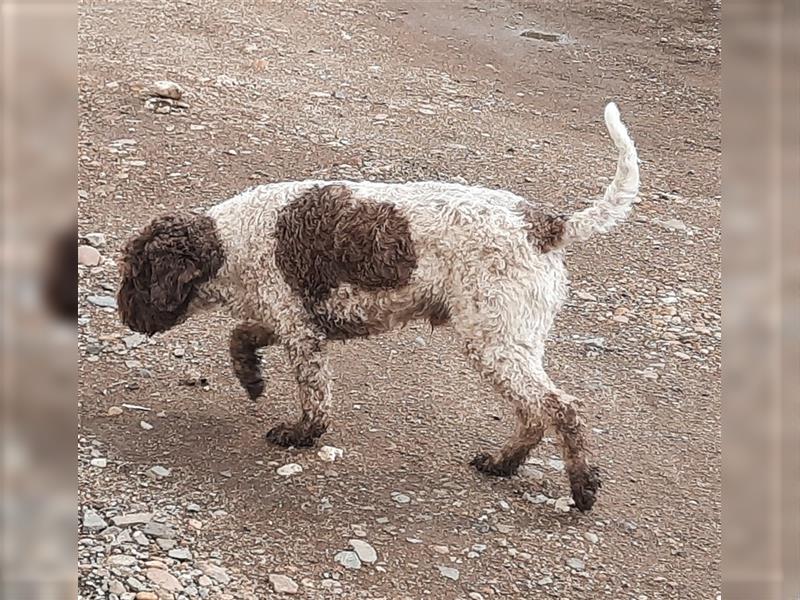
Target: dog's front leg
(307, 356)
(246, 338)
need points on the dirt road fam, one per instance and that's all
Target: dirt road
(397, 91)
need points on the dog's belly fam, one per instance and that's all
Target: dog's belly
(350, 312)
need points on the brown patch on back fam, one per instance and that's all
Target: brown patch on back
(326, 238)
(544, 231)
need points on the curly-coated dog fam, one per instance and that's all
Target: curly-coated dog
(304, 263)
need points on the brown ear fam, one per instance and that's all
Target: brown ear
(171, 281)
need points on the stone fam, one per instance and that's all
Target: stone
(158, 472)
(103, 301)
(179, 352)
(182, 554)
(366, 553)
(100, 463)
(116, 587)
(121, 560)
(134, 340)
(546, 580)
(164, 580)
(193, 508)
(215, 572)
(283, 584)
(158, 530)
(167, 89)
(146, 426)
(132, 519)
(92, 521)
(88, 256)
(94, 239)
(146, 596)
(449, 573)
(563, 504)
(576, 564)
(166, 544)
(444, 550)
(330, 453)
(348, 559)
(115, 411)
(289, 470)
(531, 472)
(586, 296)
(544, 36)
(591, 537)
(400, 498)
(204, 581)
(135, 584)
(140, 538)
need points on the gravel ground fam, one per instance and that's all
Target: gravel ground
(181, 497)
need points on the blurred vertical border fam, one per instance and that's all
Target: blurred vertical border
(761, 294)
(38, 87)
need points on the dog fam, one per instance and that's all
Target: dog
(306, 263)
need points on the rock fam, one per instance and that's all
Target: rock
(366, 553)
(158, 530)
(586, 296)
(114, 411)
(121, 560)
(576, 564)
(182, 554)
(444, 550)
(167, 89)
(146, 596)
(92, 521)
(290, 469)
(546, 580)
(330, 453)
(166, 544)
(179, 352)
(204, 581)
(166, 581)
(88, 256)
(100, 463)
(544, 36)
(132, 519)
(135, 584)
(103, 301)
(283, 584)
(140, 538)
(217, 573)
(116, 587)
(591, 537)
(193, 508)
(348, 559)
(134, 340)
(157, 472)
(537, 499)
(449, 573)
(96, 240)
(563, 504)
(672, 224)
(400, 498)
(147, 427)
(531, 472)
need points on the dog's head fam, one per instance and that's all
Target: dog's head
(162, 268)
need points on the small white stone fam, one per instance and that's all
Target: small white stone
(330, 453)
(145, 425)
(348, 559)
(283, 584)
(366, 553)
(167, 89)
(88, 256)
(290, 469)
(158, 472)
(100, 463)
(449, 573)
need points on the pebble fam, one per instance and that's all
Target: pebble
(586, 296)
(290, 469)
(166, 544)
(132, 519)
(115, 587)
(158, 530)
(182, 554)
(92, 521)
(576, 564)
(591, 537)
(330, 453)
(366, 553)
(88, 256)
(546, 580)
(135, 584)
(348, 559)
(164, 580)
(95, 239)
(283, 584)
(217, 573)
(145, 425)
(157, 472)
(193, 508)
(121, 560)
(531, 472)
(134, 340)
(449, 573)
(441, 549)
(563, 504)
(400, 498)
(114, 411)
(103, 301)
(100, 463)
(140, 538)
(179, 352)
(204, 581)
(167, 89)
(146, 596)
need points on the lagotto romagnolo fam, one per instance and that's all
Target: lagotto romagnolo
(305, 263)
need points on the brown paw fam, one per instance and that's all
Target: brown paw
(254, 389)
(293, 434)
(486, 463)
(585, 485)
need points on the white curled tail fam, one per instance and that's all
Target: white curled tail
(616, 203)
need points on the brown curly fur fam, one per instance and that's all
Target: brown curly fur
(161, 268)
(544, 231)
(246, 338)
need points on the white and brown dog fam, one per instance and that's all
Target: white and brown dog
(304, 263)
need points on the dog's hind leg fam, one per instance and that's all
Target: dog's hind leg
(310, 364)
(246, 339)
